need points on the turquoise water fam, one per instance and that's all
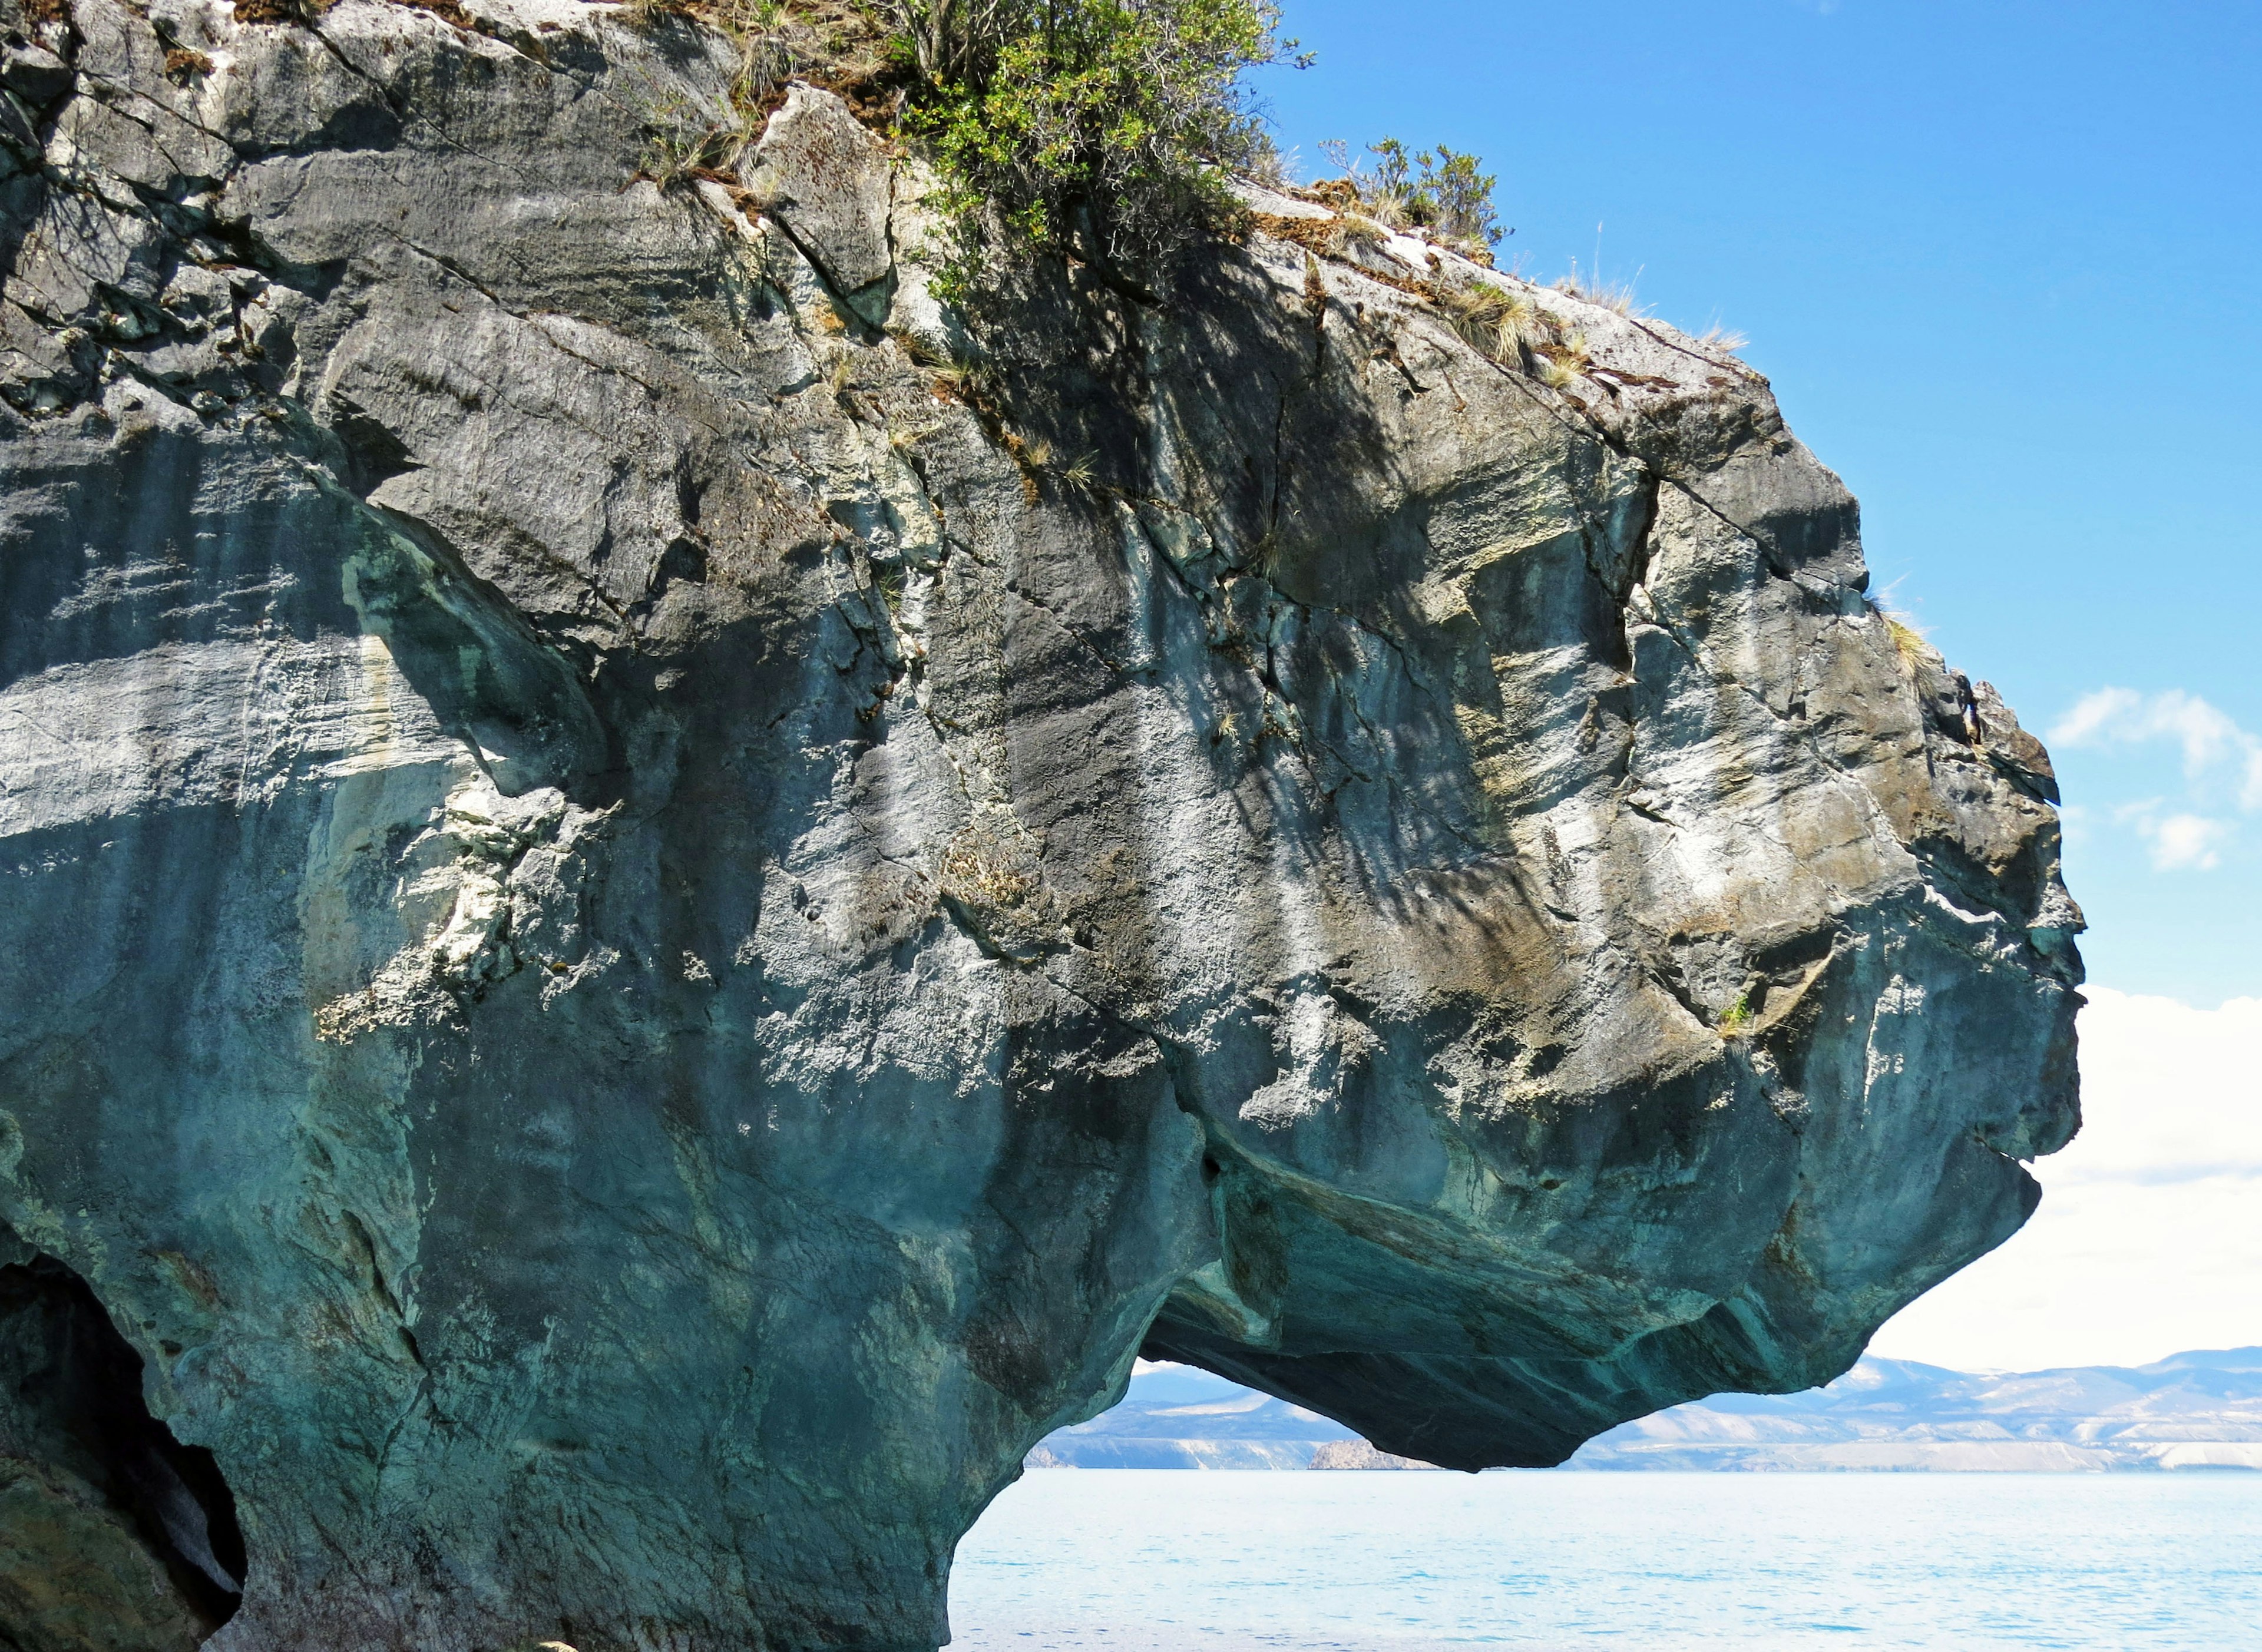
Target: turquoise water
(1157, 1560)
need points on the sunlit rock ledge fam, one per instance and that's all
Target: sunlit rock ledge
(645, 935)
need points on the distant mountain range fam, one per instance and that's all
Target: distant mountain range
(1176, 1417)
(2190, 1411)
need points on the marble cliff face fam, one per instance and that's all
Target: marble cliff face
(641, 935)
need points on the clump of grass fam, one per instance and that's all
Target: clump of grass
(684, 143)
(1364, 232)
(1561, 358)
(958, 378)
(832, 41)
(1909, 641)
(1737, 1018)
(1029, 457)
(974, 384)
(1315, 291)
(1716, 337)
(955, 378)
(1494, 320)
(1619, 298)
(1274, 168)
(1511, 329)
(974, 870)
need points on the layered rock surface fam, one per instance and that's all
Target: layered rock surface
(643, 936)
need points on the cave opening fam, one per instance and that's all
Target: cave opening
(75, 1435)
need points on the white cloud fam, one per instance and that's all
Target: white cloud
(2107, 712)
(2184, 841)
(2168, 1092)
(2149, 1240)
(2209, 736)
(2216, 752)
(2179, 842)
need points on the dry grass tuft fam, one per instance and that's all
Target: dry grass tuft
(683, 146)
(1364, 232)
(1491, 318)
(956, 380)
(1615, 296)
(975, 872)
(1909, 641)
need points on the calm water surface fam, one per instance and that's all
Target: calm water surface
(1160, 1560)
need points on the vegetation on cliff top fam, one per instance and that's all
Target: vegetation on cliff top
(1444, 193)
(1107, 127)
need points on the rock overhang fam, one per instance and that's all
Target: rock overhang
(673, 911)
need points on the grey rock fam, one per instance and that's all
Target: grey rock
(1357, 1453)
(34, 74)
(822, 175)
(639, 947)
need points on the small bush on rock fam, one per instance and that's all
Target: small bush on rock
(1443, 193)
(1107, 128)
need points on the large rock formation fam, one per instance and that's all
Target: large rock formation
(645, 933)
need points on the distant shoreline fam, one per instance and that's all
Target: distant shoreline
(2196, 1412)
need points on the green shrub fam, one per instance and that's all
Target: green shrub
(1107, 128)
(1444, 192)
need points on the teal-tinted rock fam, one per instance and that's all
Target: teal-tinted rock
(637, 947)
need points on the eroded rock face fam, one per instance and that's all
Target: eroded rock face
(642, 937)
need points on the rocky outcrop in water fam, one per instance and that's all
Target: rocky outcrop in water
(651, 921)
(1357, 1453)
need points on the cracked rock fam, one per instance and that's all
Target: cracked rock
(826, 178)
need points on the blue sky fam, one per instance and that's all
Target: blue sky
(2003, 263)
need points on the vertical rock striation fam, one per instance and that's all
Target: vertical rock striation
(643, 936)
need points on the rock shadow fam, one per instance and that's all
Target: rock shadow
(114, 1535)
